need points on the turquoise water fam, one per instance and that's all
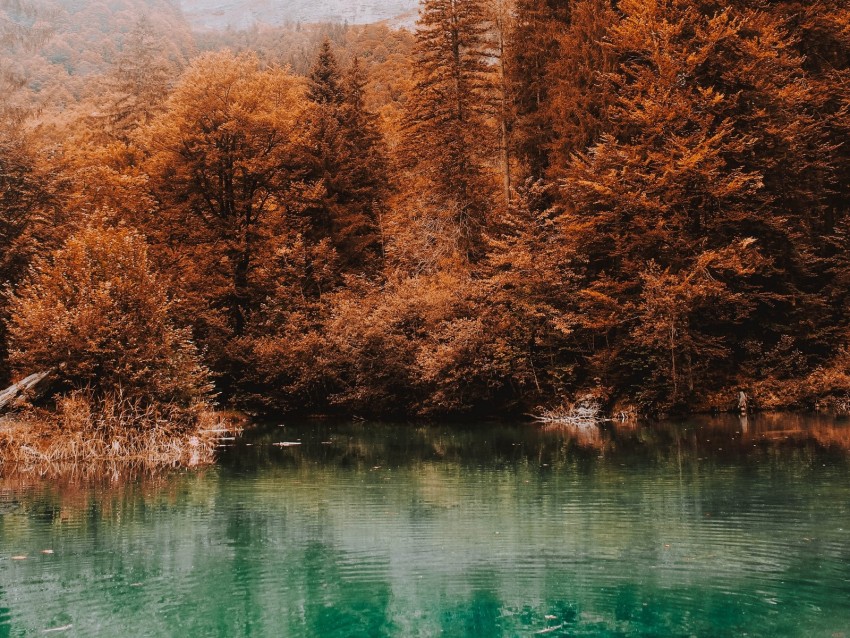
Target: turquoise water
(708, 528)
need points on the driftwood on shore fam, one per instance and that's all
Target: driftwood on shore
(25, 390)
(581, 414)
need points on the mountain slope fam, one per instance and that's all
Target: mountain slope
(240, 14)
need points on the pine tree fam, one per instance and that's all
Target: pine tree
(531, 291)
(348, 160)
(449, 136)
(325, 140)
(533, 45)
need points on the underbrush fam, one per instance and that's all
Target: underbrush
(97, 434)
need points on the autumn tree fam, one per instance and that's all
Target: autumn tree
(369, 181)
(533, 46)
(349, 160)
(140, 80)
(703, 130)
(677, 320)
(27, 190)
(822, 36)
(578, 93)
(24, 26)
(227, 158)
(450, 137)
(95, 313)
(32, 197)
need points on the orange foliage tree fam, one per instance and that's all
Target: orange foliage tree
(533, 46)
(710, 117)
(227, 162)
(450, 137)
(95, 312)
(30, 198)
(348, 158)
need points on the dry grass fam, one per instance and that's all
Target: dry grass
(92, 435)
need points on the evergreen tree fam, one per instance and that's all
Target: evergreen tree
(349, 160)
(325, 77)
(141, 79)
(367, 169)
(533, 45)
(576, 108)
(706, 179)
(450, 138)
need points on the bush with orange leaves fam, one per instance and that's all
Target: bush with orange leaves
(96, 313)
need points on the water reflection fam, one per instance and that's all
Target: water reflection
(699, 528)
(365, 446)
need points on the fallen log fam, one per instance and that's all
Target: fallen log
(25, 390)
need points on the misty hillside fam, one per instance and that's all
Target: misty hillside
(238, 14)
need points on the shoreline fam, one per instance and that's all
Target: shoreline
(35, 444)
(32, 444)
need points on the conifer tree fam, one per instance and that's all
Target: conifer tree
(533, 46)
(578, 95)
(502, 20)
(368, 170)
(449, 136)
(140, 80)
(348, 160)
(325, 78)
(821, 33)
(710, 151)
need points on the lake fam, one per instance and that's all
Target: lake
(710, 527)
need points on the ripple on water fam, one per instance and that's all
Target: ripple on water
(474, 542)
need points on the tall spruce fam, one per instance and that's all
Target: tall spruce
(348, 159)
(450, 137)
(368, 171)
(533, 45)
(325, 78)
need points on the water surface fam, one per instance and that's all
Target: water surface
(714, 527)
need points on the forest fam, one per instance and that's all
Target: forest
(514, 205)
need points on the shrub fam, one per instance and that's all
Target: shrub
(96, 313)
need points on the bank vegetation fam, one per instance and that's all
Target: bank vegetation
(515, 204)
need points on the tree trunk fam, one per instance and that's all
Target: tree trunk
(30, 388)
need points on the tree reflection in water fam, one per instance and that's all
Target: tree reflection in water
(703, 527)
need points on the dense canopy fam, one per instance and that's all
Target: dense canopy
(512, 205)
